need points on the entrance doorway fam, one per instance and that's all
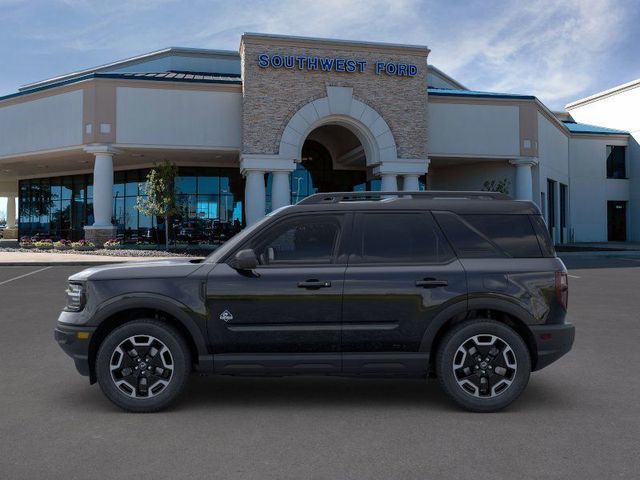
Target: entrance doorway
(617, 221)
(332, 160)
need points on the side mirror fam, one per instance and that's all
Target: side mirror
(244, 260)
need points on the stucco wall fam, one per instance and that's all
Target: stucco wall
(589, 189)
(42, 124)
(470, 175)
(190, 118)
(470, 129)
(620, 111)
(271, 96)
(553, 163)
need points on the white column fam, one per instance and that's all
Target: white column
(524, 178)
(11, 211)
(103, 189)
(280, 190)
(410, 183)
(254, 196)
(389, 182)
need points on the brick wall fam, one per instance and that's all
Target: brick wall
(271, 96)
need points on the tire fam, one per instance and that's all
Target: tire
(461, 369)
(162, 353)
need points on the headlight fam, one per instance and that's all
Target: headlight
(75, 297)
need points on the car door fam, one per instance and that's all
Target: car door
(402, 272)
(285, 314)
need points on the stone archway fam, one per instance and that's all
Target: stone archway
(340, 108)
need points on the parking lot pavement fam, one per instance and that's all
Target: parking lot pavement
(579, 418)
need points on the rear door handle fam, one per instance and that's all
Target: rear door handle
(314, 284)
(431, 283)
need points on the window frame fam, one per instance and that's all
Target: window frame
(338, 257)
(355, 257)
(608, 151)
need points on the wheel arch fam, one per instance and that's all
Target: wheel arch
(123, 310)
(504, 311)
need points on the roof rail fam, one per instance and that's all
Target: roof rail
(337, 197)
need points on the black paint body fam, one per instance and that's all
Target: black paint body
(349, 318)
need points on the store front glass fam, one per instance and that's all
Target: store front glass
(210, 201)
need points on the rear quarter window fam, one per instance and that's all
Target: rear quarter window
(491, 235)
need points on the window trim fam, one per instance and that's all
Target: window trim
(343, 219)
(625, 163)
(355, 257)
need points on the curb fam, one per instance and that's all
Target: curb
(601, 253)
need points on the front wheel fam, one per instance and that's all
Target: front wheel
(483, 365)
(142, 366)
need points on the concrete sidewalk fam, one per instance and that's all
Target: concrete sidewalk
(36, 259)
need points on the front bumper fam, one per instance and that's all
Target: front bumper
(74, 340)
(552, 342)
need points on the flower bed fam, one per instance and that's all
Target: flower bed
(112, 244)
(83, 245)
(62, 245)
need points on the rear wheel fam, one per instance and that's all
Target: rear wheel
(483, 365)
(143, 365)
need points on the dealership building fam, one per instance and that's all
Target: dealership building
(284, 117)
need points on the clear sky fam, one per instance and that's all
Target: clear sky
(558, 50)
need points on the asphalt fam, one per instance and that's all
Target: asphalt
(579, 418)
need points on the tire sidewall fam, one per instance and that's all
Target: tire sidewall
(450, 345)
(181, 359)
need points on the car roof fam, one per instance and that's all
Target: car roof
(456, 202)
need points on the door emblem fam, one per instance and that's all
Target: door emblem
(226, 316)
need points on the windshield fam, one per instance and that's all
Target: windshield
(226, 247)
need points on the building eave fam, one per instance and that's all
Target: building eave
(603, 94)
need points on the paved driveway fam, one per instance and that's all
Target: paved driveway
(580, 418)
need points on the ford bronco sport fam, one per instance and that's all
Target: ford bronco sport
(464, 286)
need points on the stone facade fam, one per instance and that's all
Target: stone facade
(271, 96)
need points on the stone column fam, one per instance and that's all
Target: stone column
(389, 182)
(11, 232)
(524, 178)
(254, 196)
(410, 183)
(280, 190)
(11, 212)
(102, 228)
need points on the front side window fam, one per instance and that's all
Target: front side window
(400, 238)
(301, 240)
(616, 164)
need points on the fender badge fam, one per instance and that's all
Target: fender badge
(226, 316)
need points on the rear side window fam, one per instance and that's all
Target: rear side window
(543, 235)
(400, 238)
(489, 236)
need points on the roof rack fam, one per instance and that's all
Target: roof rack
(337, 197)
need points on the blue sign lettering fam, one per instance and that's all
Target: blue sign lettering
(340, 65)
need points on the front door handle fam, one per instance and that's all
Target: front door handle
(314, 284)
(431, 283)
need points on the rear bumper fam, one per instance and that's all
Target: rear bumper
(552, 342)
(74, 340)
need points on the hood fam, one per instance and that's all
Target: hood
(170, 268)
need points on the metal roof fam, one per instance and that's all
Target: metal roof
(228, 79)
(575, 127)
(450, 92)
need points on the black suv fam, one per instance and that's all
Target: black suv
(464, 286)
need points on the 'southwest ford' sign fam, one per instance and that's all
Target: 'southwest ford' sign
(329, 64)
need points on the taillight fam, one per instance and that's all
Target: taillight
(562, 289)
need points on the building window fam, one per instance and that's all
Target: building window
(616, 161)
(551, 205)
(60, 207)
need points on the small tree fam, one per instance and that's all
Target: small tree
(160, 194)
(500, 186)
